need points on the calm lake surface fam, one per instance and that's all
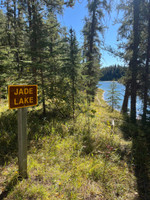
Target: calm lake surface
(105, 85)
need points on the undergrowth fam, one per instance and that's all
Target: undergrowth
(86, 159)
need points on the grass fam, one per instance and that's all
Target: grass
(94, 162)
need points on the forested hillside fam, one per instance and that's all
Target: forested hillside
(112, 73)
(78, 146)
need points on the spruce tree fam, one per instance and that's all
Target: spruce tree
(131, 31)
(93, 26)
(72, 73)
(3, 52)
(146, 70)
(113, 96)
(134, 59)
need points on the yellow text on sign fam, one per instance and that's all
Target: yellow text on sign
(23, 101)
(20, 96)
(23, 91)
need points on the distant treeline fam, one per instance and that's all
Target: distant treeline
(113, 72)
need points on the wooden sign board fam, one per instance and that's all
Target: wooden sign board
(20, 96)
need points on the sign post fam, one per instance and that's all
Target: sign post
(22, 96)
(22, 142)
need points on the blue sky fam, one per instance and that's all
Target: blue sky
(74, 17)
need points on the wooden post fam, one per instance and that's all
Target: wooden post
(113, 126)
(22, 142)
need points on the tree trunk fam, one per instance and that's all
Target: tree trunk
(34, 40)
(33, 35)
(72, 74)
(16, 36)
(91, 90)
(8, 23)
(134, 64)
(146, 73)
(124, 108)
(43, 93)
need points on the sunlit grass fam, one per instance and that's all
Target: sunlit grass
(3, 106)
(90, 163)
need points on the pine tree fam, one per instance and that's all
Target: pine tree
(146, 70)
(51, 66)
(126, 32)
(93, 26)
(2, 52)
(14, 40)
(131, 31)
(72, 73)
(134, 60)
(113, 96)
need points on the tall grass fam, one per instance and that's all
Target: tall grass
(69, 160)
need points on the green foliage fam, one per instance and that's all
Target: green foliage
(36, 50)
(113, 96)
(135, 45)
(73, 151)
(66, 166)
(112, 73)
(93, 26)
(71, 73)
(8, 136)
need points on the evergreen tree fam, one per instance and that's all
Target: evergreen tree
(112, 73)
(126, 32)
(134, 59)
(146, 70)
(127, 94)
(52, 59)
(93, 26)
(72, 73)
(131, 31)
(113, 96)
(33, 44)
(3, 51)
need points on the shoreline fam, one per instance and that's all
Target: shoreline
(107, 102)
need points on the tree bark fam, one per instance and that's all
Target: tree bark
(134, 63)
(126, 99)
(91, 90)
(43, 93)
(16, 36)
(146, 73)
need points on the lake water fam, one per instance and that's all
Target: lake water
(105, 85)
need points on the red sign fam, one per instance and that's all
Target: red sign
(21, 96)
